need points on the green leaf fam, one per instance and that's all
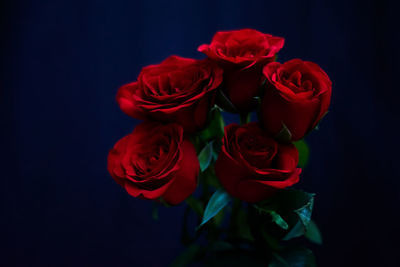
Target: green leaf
(272, 242)
(290, 209)
(195, 204)
(215, 155)
(224, 102)
(304, 215)
(294, 257)
(216, 203)
(305, 212)
(304, 152)
(209, 178)
(215, 126)
(284, 135)
(196, 141)
(296, 231)
(276, 218)
(187, 256)
(219, 217)
(313, 234)
(217, 147)
(205, 156)
(243, 226)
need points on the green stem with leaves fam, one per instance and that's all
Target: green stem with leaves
(195, 205)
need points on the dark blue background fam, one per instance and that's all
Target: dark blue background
(62, 63)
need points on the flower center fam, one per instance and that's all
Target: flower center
(258, 150)
(297, 82)
(175, 82)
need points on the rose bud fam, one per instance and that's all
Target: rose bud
(178, 90)
(252, 166)
(155, 161)
(297, 96)
(242, 54)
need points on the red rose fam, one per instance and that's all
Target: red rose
(242, 54)
(155, 161)
(178, 90)
(252, 166)
(297, 95)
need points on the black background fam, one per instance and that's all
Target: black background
(62, 63)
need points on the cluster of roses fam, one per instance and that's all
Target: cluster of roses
(174, 98)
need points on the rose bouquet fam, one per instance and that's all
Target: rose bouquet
(235, 178)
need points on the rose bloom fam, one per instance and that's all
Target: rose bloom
(242, 54)
(180, 90)
(252, 166)
(297, 94)
(155, 161)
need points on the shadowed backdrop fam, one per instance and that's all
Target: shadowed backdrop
(62, 63)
